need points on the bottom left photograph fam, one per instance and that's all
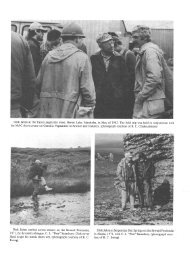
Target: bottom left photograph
(51, 185)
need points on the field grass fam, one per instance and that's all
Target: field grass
(68, 170)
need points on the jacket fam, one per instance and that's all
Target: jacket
(22, 73)
(125, 174)
(36, 55)
(145, 170)
(65, 82)
(130, 61)
(35, 171)
(149, 83)
(111, 86)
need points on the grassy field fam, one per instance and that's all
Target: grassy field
(68, 169)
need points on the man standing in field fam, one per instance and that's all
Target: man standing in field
(36, 175)
(153, 79)
(65, 78)
(126, 180)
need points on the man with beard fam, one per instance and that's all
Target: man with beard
(35, 37)
(65, 79)
(153, 79)
(110, 79)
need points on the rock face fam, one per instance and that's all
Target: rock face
(159, 148)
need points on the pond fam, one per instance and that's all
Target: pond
(51, 209)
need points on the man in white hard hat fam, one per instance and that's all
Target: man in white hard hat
(65, 78)
(36, 175)
(35, 37)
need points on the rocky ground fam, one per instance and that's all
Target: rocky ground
(108, 205)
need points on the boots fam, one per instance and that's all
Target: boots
(48, 188)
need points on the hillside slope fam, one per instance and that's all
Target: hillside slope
(68, 170)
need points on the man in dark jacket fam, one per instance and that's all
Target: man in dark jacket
(130, 61)
(22, 76)
(35, 37)
(36, 175)
(145, 172)
(110, 79)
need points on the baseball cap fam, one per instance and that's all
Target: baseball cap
(104, 37)
(37, 26)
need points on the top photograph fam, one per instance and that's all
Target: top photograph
(101, 69)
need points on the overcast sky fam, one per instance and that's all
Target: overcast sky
(109, 138)
(49, 139)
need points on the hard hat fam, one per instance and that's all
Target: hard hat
(37, 162)
(36, 26)
(72, 29)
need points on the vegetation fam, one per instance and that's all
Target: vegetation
(68, 170)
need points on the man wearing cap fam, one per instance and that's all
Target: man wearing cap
(110, 79)
(36, 172)
(65, 78)
(52, 42)
(117, 43)
(126, 180)
(150, 77)
(35, 37)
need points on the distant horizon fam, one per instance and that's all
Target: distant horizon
(39, 138)
(71, 147)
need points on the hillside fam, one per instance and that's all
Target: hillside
(68, 170)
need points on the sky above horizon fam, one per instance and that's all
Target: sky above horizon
(49, 139)
(106, 138)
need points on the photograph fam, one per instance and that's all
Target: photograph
(134, 179)
(51, 186)
(101, 69)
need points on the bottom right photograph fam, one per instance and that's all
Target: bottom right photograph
(134, 175)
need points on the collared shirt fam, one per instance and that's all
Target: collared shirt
(106, 60)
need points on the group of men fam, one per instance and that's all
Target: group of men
(134, 179)
(57, 79)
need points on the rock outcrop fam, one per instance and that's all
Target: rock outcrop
(159, 148)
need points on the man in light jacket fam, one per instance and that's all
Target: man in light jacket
(65, 79)
(126, 181)
(150, 81)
